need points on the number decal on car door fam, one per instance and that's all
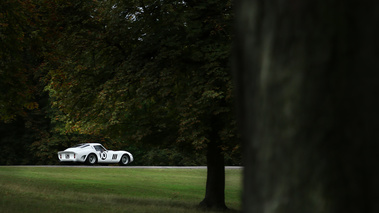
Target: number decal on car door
(103, 155)
(114, 157)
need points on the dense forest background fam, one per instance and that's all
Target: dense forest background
(151, 77)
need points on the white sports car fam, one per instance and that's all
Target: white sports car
(92, 153)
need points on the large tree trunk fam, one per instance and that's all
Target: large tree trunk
(215, 186)
(307, 74)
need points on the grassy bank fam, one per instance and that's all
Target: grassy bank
(64, 189)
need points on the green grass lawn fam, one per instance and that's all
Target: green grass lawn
(77, 189)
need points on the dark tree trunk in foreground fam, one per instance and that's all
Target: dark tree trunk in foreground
(307, 74)
(215, 188)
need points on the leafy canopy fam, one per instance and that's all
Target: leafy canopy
(146, 71)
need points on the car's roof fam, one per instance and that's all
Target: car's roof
(83, 144)
(91, 144)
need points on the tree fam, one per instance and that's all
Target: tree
(154, 72)
(19, 56)
(307, 84)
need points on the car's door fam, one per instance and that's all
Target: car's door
(102, 154)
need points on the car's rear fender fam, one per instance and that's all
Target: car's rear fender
(89, 154)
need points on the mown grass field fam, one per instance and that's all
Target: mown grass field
(78, 189)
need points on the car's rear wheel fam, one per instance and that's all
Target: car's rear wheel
(124, 160)
(91, 159)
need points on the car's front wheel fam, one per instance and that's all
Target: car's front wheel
(124, 160)
(91, 159)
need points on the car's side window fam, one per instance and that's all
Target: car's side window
(103, 149)
(98, 148)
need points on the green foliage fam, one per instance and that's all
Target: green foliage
(154, 72)
(172, 157)
(151, 75)
(14, 143)
(19, 56)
